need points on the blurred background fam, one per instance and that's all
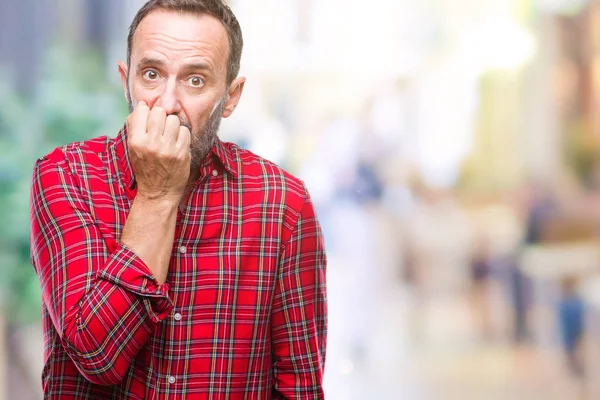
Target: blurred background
(451, 147)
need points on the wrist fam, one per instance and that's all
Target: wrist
(157, 203)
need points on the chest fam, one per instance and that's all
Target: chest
(226, 244)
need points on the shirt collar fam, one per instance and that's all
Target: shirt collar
(219, 151)
(225, 155)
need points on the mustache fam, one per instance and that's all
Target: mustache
(185, 123)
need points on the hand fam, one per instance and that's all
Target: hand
(159, 151)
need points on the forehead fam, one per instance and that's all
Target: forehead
(174, 36)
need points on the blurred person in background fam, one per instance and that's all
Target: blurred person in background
(570, 310)
(540, 206)
(173, 264)
(480, 264)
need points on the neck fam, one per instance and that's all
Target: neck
(194, 176)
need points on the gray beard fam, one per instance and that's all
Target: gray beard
(203, 139)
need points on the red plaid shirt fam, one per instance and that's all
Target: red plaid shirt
(242, 314)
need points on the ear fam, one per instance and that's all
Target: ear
(123, 72)
(233, 97)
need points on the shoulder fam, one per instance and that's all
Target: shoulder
(77, 156)
(275, 182)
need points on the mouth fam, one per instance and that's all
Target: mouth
(186, 124)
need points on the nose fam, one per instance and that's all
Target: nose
(169, 99)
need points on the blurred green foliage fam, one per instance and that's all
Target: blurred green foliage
(73, 101)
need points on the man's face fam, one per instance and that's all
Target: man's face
(179, 62)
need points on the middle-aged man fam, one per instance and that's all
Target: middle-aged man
(174, 265)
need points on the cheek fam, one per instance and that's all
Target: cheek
(197, 112)
(139, 93)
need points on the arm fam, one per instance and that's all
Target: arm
(149, 232)
(299, 314)
(105, 298)
(160, 153)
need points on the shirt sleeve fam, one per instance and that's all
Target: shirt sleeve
(103, 300)
(299, 314)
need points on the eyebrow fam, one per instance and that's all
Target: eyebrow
(193, 67)
(148, 61)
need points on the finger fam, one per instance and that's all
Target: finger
(171, 131)
(138, 119)
(184, 139)
(156, 122)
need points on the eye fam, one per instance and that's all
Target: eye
(195, 81)
(151, 75)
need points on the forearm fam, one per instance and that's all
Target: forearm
(104, 330)
(103, 339)
(132, 304)
(149, 233)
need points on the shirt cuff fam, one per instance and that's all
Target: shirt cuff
(127, 270)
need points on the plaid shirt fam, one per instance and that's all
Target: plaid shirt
(242, 314)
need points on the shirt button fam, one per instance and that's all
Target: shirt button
(215, 172)
(177, 317)
(171, 379)
(182, 249)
